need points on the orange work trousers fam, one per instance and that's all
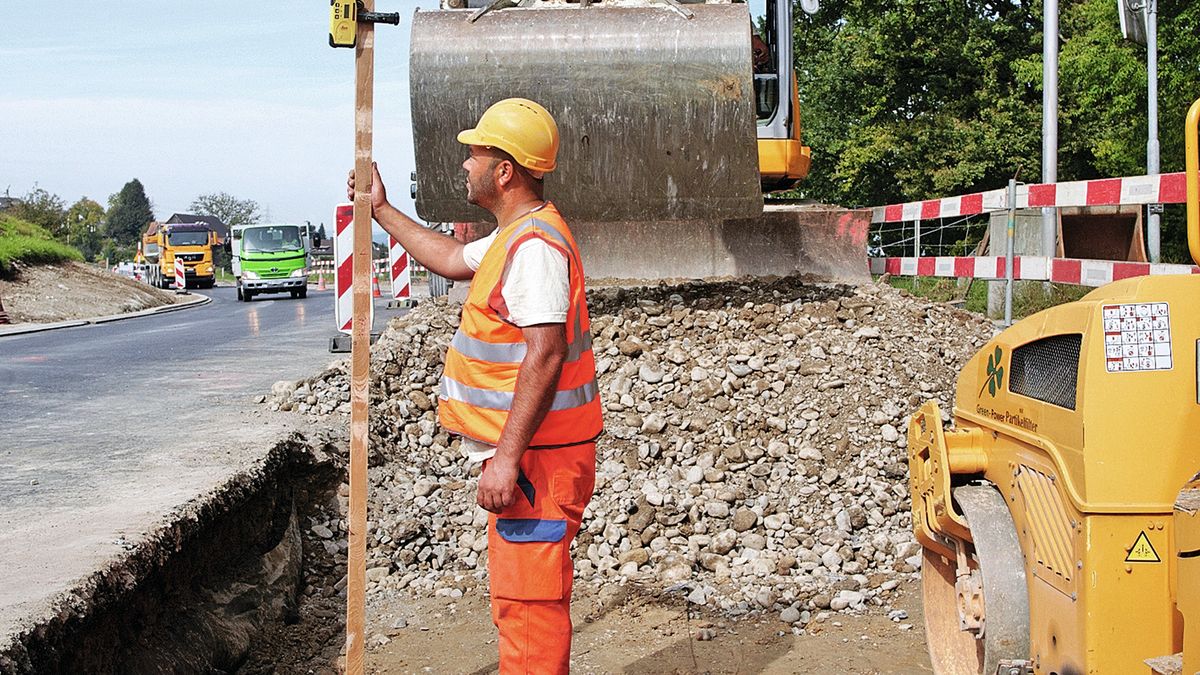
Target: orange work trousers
(529, 559)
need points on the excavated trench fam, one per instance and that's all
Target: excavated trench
(193, 596)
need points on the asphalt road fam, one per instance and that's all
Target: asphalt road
(104, 429)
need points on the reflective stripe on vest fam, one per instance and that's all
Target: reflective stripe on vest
(514, 352)
(564, 399)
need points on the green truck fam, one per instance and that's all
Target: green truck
(271, 258)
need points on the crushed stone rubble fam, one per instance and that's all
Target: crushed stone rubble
(754, 456)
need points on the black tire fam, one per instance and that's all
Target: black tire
(247, 295)
(294, 294)
(240, 298)
(302, 293)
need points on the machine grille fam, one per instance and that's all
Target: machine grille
(1048, 523)
(1047, 369)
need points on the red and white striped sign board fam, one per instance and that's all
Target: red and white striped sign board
(1167, 188)
(1026, 268)
(401, 270)
(343, 259)
(180, 275)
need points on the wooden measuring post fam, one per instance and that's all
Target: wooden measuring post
(360, 355)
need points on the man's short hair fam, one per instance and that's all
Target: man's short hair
(504, 155)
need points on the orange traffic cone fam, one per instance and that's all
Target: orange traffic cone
(375, 287)
(321, 281)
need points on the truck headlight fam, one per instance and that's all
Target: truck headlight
(249, 275)
(302, 272)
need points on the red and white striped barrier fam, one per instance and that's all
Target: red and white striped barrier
(401, 273)
(180, 276)
(343, 256)
(1026, 268)
(1167, 188)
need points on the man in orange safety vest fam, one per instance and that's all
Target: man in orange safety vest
(519, 384)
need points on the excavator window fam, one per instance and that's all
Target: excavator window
(764, 52)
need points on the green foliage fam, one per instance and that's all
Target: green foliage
(911, 99)
(231, 210)
(25, 242)
(970, 294)
(85, 227)
(1029, 298)
(129, 213)
(916, 99)
(41, 208)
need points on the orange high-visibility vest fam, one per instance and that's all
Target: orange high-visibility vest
(480, 375)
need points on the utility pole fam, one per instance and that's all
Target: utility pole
(1153, 210)
(1050, 121)
(1139, 23)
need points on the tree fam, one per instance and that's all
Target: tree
(85, 227)
(321, 233)
(129, 213)
(229, 209)
(916, 99)
(44, 209)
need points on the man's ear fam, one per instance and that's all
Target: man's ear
(507, 172)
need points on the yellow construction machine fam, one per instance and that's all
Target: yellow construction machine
(661, 104)
(675, 118)
(1058, 515)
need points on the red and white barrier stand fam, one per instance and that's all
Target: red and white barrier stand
(343, 279)
(401, 274)
(1167, 188)
(180, 277)
(1026, 268)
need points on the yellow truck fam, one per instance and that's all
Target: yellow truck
(190, 242)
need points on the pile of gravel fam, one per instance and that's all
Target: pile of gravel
(754, 455)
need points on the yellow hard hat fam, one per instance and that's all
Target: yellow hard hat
(521, 128)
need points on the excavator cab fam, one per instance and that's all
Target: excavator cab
(783, 159)
(662, 111)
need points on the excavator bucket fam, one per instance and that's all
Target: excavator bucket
(655, 109)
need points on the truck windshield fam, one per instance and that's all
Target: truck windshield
(270, 239)
(188, 238)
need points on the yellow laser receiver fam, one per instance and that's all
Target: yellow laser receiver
(344, 17)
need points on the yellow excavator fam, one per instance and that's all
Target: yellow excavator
(675, 118)
(1058, 516)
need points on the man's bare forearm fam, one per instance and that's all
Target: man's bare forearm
(537, 381)
(439, 252)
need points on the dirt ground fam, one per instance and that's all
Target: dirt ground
(617, 630)
(625, 631)
(49, 293)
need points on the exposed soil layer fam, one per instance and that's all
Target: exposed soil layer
(63, 292)
(191, 596)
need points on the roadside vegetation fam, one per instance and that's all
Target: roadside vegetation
(1029, 298)
(24, 242)
(108, 235)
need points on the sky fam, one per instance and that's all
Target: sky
(193, 98)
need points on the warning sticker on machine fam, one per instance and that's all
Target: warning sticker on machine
(1142, 550)
(1137, 337)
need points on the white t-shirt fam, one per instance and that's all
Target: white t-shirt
(536, 290)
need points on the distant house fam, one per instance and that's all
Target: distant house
(7, 202)
(214, 222)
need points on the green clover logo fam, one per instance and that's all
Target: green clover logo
(995, 373)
